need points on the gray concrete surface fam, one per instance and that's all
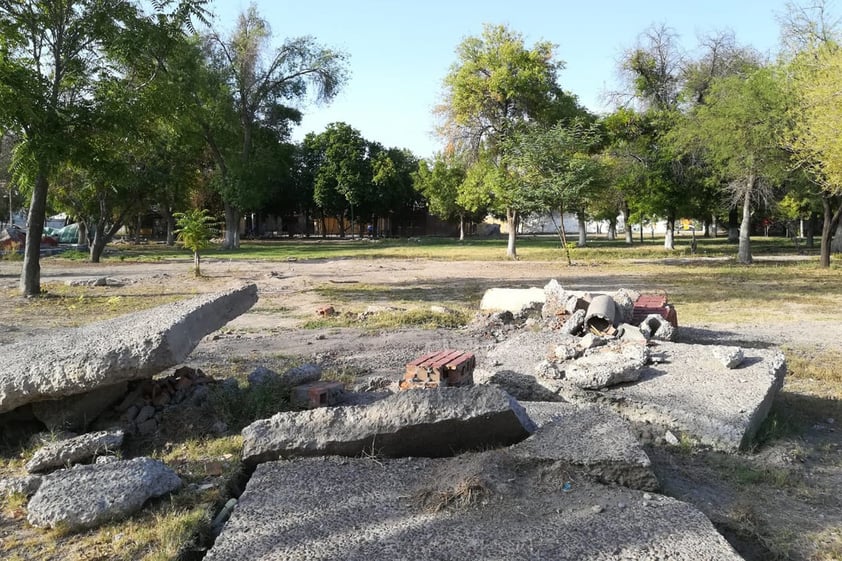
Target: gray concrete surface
(90, 495)
(592, 438)
(433, 423)
(689, 390)
(134, 346)
(321, 509)
(76, 412)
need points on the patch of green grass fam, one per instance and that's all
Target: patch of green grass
(778, 478)
(417, 318)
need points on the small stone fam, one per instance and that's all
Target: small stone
(671, 439)
(145, 413)
(621, 506)
(596, 509)
(147, 427)
(647, 497)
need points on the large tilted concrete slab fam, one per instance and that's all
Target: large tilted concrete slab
(320, 509)
(431, 423)
(690, 390)
(590, 437)
(130, 347)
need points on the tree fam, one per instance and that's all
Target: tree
(259, 87)
(496, 85)
(196, 227)
(344, 172)
(740, 128)
(814, 138)
(440, 183)
(556, 167)
(53, 53)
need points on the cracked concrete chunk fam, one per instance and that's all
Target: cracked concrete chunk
(130, 347)
(90, 495)
(654, 326)
(325, 509)
(591, 437)
(434, 422)
(608, 366)
(73, 450)
(731, 357)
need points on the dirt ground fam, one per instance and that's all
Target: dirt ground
(780, 501)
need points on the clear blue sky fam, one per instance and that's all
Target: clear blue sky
(400, 50)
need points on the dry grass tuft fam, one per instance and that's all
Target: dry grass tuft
(464, 494)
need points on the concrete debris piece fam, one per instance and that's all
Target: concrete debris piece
(600, 315)
(436, 422)
(511, 299)
(629, 333)
(547, 369)
(591, 437)
(74, 450)
(134, 346)
(316, 394)
(76, 412)
(731, 357)
(554, 299)
(324, 509)
(575, 323)
(303, 374)
(624, 299)
(590, 341)
(671, 439)
(262, 375)
(691, 392)
(90, 495)
(608, 366)
(26, 485)
(567, 351)
(654, 326)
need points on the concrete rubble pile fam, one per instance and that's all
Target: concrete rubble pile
(620, 350)
(69, 379)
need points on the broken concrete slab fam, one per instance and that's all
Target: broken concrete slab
(74, 450)
(655, 326)
(511, 299)
(690, 391)
(134, 346)
(89, 495)
(481, 507)
(435, 422)
(593, 438)
(607, 366)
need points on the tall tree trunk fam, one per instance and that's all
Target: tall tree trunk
(82, 235)
(715, 226)
(612, 230)
(627, 223)
(461, 226)
(811, 230)
(137, 228)
(170, 221)
(733, 226)
(583, 228)
(744, 249)
(197, 270)
(30, 277)
(669, 235)
(513, 220)
(829, 226)
(231, 239)
(98, 245)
